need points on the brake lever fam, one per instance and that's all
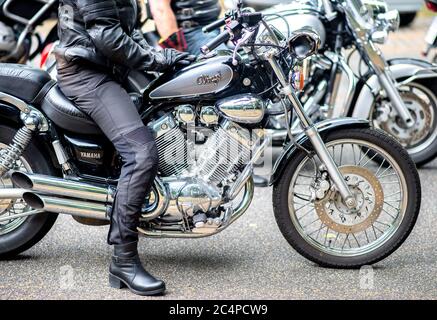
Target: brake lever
(246, 36)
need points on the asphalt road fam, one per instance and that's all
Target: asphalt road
(250, 260)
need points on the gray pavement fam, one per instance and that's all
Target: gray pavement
(250, 260)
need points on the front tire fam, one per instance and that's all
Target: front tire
(18, 236)
(322, 247)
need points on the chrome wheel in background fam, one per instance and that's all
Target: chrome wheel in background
(420, 140)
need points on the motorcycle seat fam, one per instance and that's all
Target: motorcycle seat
(22, 81)
(66, 115)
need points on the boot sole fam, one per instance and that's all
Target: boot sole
(116, 282)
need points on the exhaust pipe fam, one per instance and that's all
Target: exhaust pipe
(12, 193)
(86, 209)
(61, 187)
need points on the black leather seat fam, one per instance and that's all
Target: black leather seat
(66, 115)
(22, 81)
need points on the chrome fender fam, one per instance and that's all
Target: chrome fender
(404, 70)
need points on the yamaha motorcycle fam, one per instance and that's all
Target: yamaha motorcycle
(19, 41)
(397, 95)
(332, 201)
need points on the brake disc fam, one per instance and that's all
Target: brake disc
(421, 113)
(369, 194)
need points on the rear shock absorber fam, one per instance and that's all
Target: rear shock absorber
(20, 141)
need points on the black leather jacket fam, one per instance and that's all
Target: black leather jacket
(103, 32)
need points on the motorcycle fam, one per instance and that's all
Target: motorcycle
(431, 35)
(397, 95)
(332, 201)
(18, 21)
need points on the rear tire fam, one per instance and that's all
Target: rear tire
(35, 227)
(311, 252)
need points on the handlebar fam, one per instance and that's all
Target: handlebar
(214, 43)
(214, 25)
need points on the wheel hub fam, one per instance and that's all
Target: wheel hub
(421, 114)
(369, 196)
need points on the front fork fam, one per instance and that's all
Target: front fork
(377, 62)
(313, 136)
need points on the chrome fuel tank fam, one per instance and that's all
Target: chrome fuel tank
(299, 14)
(204, 78)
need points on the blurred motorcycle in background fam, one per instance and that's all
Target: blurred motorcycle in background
(431, 36)
(19, 40)
(397, 95)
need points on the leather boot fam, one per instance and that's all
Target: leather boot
(126, 270)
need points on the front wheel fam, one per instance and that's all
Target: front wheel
(421, 139)
(313, 218)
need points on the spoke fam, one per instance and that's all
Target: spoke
(336, 238)
(382, 173)
(374, 232)
(394, 218)
(380, 166)
(384, 224)
(345, 239)
(341, 154)
(393, 194)
(397, 209)
(326, 235)
(356, 240)
(353, 153)
(305, 214)
(363, 157)
(367, 237)
(389, 182)
(368, 160)
(296, 210)
(311, 223)
(382, 232)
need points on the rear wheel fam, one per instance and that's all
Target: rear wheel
(322, 228)
(19, 234)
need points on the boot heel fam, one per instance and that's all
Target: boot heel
(114, 282)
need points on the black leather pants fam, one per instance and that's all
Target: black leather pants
(109, 105)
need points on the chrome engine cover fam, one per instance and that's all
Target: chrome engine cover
(195, 181)
(242, 108)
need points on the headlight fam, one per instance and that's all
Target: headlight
(303, 43)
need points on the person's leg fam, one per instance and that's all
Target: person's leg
(109, 105)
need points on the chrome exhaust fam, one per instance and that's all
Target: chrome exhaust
(86, 209)
(62, 187)
(12, 193)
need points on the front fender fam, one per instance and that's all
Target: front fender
(401, 69)
(324, 128)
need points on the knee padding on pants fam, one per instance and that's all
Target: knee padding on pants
(144, 147)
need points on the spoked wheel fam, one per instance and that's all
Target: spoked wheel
(421, 139)
(314, 219)
(18, 234)
(11, 207)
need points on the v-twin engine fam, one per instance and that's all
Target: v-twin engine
(200, 174)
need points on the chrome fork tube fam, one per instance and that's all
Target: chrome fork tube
(313, 135)
(376, 60)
